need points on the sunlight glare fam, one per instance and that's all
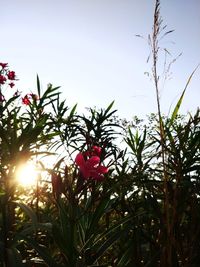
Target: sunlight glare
(27, 175)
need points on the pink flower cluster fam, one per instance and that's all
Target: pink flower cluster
(6, 74)
(9, 76)
(89, 164)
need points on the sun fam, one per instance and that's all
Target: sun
(27, 174)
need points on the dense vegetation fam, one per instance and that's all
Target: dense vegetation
(108, 192)
(126, 208)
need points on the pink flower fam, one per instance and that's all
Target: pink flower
(11, 75)
(96, 150)
(26, 100)
(3, 65)
(2, 79)
(91, 168)
(11, 85)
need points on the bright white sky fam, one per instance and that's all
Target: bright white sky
(89, 48)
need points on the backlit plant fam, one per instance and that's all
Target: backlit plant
(108, 192)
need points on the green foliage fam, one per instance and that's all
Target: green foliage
(108, 192)
(66, 220)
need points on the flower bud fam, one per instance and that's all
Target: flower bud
(56, 184)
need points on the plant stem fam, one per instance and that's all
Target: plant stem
(155, 50)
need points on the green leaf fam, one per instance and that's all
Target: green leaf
(125, 258)
(99, 212)
(109, 238)
(61, 241)
(176, 109)
(109, 107)
(10, 101)
(31, 214)
(38, 86)
(43, 252)
(73, 111)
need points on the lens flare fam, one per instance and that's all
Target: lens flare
(26, 175)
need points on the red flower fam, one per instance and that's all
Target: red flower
(11, 85)
(3, 65)
(96, 150)
(11, 75)
(26, 99)
(91, 168)
(2, 79)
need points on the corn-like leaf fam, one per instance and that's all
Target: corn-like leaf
(177, 107)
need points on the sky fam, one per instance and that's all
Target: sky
(90, 49)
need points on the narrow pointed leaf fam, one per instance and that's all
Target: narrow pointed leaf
(176, 109)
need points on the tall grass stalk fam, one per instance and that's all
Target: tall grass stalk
(157, 28)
